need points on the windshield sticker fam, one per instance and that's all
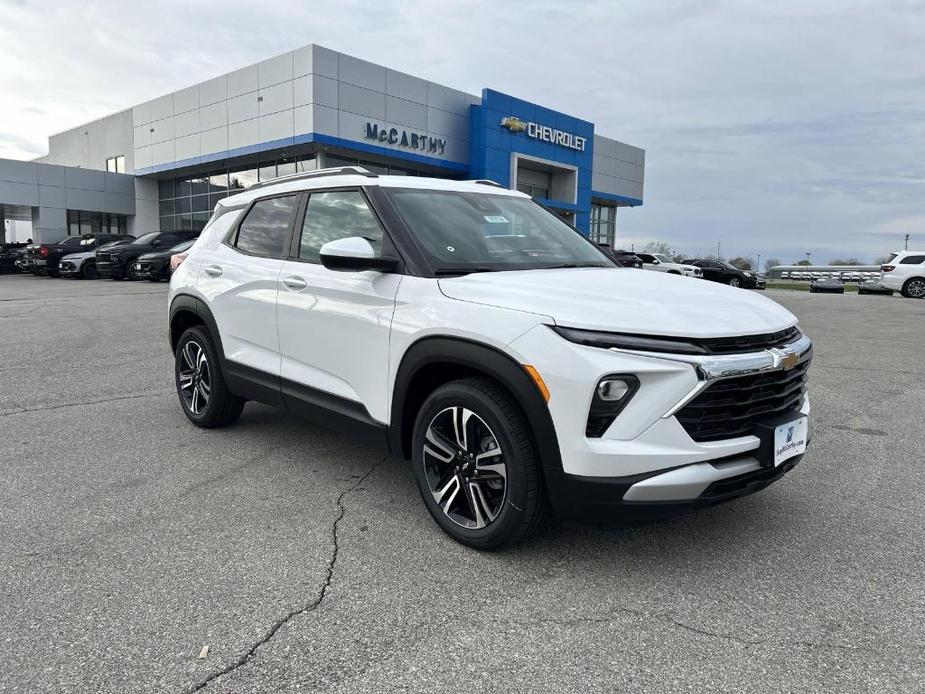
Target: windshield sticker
(496, 219)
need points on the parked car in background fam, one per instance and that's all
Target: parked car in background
(83, 264)
(626, 258)
(904, 272)
(9, 254)
(116, 263)
(785, 275)
(49, 254)
(662, 263)
(155, 266)
(827, 285)
(874, 287)
(721, 271)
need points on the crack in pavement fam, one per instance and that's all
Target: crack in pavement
(116, 398)
(308, 607)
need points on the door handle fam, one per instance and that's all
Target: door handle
(213, 270)
(295, 283)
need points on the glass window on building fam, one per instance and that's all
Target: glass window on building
(534, 183)
(603, 224)
(80, 222)
(116, 164)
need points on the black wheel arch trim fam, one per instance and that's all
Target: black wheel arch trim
(478, 357)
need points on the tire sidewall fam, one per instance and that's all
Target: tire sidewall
(906, 291)
(459, 394)
(202, 338)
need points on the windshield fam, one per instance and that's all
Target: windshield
(478, 232)
(146, 239)
(662, 258)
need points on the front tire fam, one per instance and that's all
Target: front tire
(476, 465)
(89, 272)
(734, 282)
(204, 397)
(914, 288)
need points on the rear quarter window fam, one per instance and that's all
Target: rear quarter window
(913, 260)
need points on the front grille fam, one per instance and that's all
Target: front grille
(730, 407)
(749, 343)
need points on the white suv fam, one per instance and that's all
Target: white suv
(905, 272)
(471, 331)
(662, 263)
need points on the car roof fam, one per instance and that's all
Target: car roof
(355, 176)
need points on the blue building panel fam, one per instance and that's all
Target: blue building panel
(527, 131)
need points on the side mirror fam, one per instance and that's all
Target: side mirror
(354, 254)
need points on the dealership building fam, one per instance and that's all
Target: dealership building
(163, 164)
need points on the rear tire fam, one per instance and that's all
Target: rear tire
(914, 288)
(480, 500)
(204, 397)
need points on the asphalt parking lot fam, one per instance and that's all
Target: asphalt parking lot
(306, 562)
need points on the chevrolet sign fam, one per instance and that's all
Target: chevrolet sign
(544, 133)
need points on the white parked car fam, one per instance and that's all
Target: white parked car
(904, 272)
(468, 329)
(662, 263)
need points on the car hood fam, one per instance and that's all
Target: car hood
(155, 255)
(83, 255)
(625, 300)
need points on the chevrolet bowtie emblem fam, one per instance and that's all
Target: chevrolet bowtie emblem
(789, 360)
(514, 124)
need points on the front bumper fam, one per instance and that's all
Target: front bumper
(110, 269)
(647, 465)
(656, 496)
(149, 269)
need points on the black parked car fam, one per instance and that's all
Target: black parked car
(9, 254)
(155, 266)
(627, 258)
(48, 255)
(116, 263)
(827, 285)
(720, 271)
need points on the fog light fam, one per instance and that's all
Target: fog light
(612, 390)
(610, 397)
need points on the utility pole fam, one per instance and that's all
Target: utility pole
(758, 263)
(907, 242)
(719, 255)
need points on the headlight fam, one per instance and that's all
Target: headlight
(610, 397)
(596, 338)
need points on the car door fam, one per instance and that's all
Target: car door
(238, 280)
(334, 325)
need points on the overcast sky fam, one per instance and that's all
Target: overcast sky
(773, 128)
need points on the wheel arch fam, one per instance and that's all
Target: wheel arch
(185, 312)
(433, 361)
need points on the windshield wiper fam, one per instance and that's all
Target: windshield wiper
(571, 265)
(463, 270)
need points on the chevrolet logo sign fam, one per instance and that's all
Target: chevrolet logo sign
(514, 124)
(789, 360)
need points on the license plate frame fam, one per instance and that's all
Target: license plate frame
(783, 438)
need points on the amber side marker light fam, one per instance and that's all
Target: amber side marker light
(537, 381)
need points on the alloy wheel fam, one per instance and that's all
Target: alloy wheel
(734, 282)
(916, 289)
(195, 377)
(464, 466)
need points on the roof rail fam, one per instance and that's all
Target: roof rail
(486, 182)
(333, 171)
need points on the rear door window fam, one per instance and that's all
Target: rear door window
(913, 260)
(265, 229)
